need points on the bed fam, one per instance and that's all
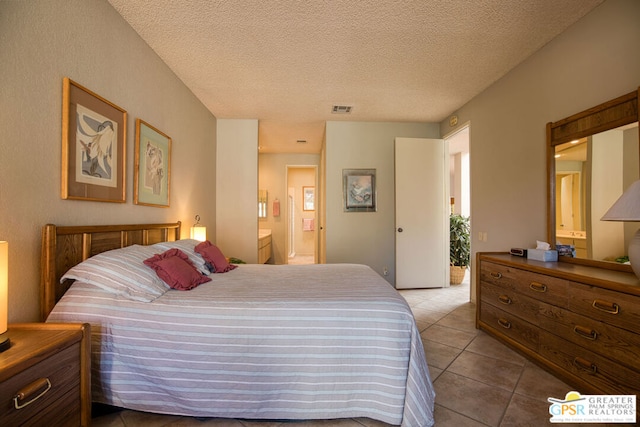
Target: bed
(256, 342)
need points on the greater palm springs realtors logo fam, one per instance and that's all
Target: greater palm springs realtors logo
(576, 408)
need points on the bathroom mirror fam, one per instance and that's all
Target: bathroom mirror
(592, 157)
(262, 203)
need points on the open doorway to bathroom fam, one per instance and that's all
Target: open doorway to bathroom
(459, 170)
(301, 214)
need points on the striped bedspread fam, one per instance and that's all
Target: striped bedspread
(260, 342)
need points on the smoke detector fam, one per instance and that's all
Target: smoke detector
(341, 109)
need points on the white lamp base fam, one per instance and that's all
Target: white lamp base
(634, 253)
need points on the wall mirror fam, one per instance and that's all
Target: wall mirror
(262, 203)
(592, 157)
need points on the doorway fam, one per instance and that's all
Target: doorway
(460, 176)
(301, 214)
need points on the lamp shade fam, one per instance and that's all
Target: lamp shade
(199, 231)
(627, 207)
(4, 291)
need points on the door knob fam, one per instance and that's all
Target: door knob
(399, 229)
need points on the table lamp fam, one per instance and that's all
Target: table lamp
(627, 208)
(199, 231)
(4, 296)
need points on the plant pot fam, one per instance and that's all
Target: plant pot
(456, 274)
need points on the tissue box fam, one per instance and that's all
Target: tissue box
(542, 255)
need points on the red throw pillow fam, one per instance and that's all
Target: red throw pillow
(214, 256)
(175, 269)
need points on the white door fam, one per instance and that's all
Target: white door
(422, 213)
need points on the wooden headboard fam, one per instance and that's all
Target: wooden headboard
(64, 247)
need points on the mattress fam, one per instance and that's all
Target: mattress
(260, 342)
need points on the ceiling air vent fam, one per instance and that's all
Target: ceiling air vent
(341, 109)
(301, 141)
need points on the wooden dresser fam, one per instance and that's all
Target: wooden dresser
(45, 375)
(582, 323)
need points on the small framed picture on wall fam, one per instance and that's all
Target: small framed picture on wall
(152, 166)
(93, 146)
(359, 190)
(309, 198)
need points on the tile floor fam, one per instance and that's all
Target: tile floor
(478, 381)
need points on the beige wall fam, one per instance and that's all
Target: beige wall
(237, 189)
(272, 177)
(43, 41)
(365, 237)
(593, 61)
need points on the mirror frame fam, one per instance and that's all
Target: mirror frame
(609, 115)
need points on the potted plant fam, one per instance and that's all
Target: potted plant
(459, 247)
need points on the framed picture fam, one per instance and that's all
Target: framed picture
(93, 146)
(359, 190)
(151, 167)
(309, 198)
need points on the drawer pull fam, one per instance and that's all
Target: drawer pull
(587, 333)
(504, 299)
(504, 323)
(24, 397)
(606, 306)
(496, 275)
(538, 287)
(585, 365)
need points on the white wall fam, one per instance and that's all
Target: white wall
(237, 189)
(365, 237)
(593, 61)
(41, 42)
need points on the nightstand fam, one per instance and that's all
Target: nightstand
(45, 375)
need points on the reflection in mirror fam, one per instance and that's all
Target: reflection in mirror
(591, 173)
(592, 157)
(262, 203)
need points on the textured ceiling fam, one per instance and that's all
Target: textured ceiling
(288, 62)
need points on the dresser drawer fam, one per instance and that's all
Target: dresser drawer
(599, 371)
(539, 286)
(60, 401)
(607, 340)
(510, 301)
(616, 308)
(511, 326)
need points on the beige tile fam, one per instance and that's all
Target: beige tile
(488, 346)
(444, 305)
(108, 420)
(471, 398)
(445, 417)
(537, 383)
(434, 372)
(439, 355)
(464, 321)
(526, 412)
(486, 369)
(448, 336)
(135, 418)
(426, 315)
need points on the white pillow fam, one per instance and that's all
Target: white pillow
(188, 247)
(122, 272)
